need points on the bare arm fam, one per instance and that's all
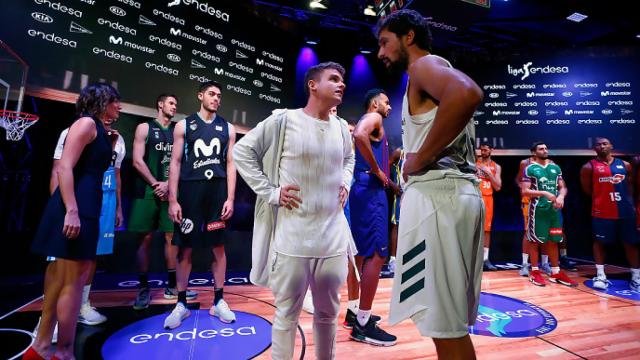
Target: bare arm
(458, 98)
(630, 177)
(518, 178)
(586, 172)
(227, 208)
(81, 133)
(175, 211)
(369, 123)
(53, 180)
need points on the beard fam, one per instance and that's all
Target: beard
(401, 64)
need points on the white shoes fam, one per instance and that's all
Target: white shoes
(601, 283)
(222, 311)
(392, 264)
(54, 338)
(179, 313)
(307, 304)
(90, 316)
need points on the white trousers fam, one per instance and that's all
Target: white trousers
(290, 277)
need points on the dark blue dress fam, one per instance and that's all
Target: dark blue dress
(87, 174)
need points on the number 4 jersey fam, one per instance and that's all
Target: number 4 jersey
(610, 196)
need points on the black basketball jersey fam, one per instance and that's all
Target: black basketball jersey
(205, 149)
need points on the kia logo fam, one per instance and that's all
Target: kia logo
(173, 57)
(43, 18)
(221, 48)
(494, 95)
(257, 83)
(607, 111)
(533, 112)
(117, 11)
(567, 94)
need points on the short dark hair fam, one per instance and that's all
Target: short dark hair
(484, 143)
(94, 98)
(205, 85)
(402, 21)
(535, 145)
(162, 97)
(316, 70)
(370, 95)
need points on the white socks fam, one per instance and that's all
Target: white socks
(563, 252)
(486, 254)
(545, 259)
(525, 259)
(85, 294)
(363, 317)
(353, 305)
(555, 270)
(635, 274)
(600, 271)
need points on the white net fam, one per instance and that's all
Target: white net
(15, 123)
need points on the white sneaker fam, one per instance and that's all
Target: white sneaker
(307, 304)
(222, 311)
(54, 338)
(90, 316)
(179, 313)
(601, 283)
(392, 265)
(634, 284)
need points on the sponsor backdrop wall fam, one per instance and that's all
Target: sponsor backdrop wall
(148, 47)
(563, 100)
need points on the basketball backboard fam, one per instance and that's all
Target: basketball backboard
(13, 78)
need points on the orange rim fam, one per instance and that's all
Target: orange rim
(18, 115)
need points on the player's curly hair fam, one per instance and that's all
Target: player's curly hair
(402, 21)
(94, 98)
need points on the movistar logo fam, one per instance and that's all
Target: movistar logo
(207, 150)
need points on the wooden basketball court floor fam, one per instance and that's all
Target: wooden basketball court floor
(591, 325)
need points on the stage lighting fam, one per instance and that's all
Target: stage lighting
(317, 4)
(576, 17)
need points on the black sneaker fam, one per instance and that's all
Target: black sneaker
(372, 334)
(567, 264)
(351, 319)
(142, 299)
(488, 266)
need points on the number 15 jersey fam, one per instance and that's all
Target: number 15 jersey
(610, 197)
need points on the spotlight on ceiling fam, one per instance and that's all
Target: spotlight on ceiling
(311, 41)
(365, 51)
(576, 17)
(317, 4)
(369, 11)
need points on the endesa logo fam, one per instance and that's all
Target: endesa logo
(52, 37)
(57, 6)
(502, 316)
(201, 336)
(203, 7)
(527, 69)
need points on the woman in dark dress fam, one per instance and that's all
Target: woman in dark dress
(69, 226)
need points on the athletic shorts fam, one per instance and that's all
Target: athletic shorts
(606, 231)
(525, 212)
(107, 223)
(545, 225)
(439, 268)
(201, 203)
(488, 212)
(395, 210)
(149, 215)
(369, 212)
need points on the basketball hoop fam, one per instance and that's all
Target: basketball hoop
(16, 123)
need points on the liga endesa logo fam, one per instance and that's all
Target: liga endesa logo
(201, 336)
(502, 316)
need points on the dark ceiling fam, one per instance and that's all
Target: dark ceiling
(462, 27)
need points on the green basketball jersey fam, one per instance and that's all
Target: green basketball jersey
(157, 156)
(544, 178)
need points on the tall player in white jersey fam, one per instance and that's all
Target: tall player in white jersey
(437, 281)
